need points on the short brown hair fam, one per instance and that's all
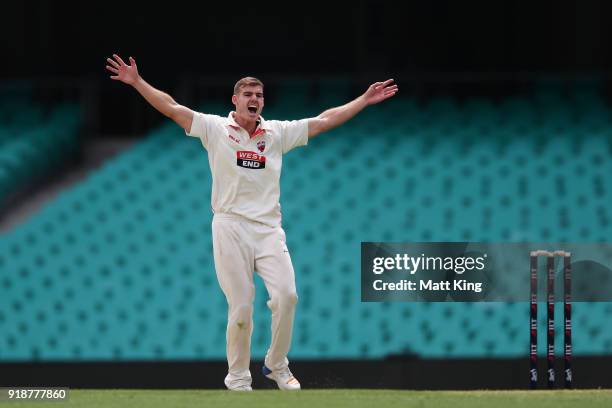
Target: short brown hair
(247, 81)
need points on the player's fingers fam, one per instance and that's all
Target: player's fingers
(112, 62)
(132, 62)
(112, 69)
(119, 60)
(387, 82)
(391, 88)
(116, 78)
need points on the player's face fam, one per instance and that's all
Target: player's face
(249, 102)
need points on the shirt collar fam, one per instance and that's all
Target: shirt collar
(261, 124)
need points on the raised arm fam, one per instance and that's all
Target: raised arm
(161, 101)
(334, 117)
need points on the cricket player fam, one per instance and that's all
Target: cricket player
(245, 156)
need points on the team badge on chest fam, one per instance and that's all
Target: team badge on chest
(261, 145)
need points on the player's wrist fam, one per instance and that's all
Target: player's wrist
(363, 101)
(137, 81)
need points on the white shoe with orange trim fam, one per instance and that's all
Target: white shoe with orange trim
(285, 380)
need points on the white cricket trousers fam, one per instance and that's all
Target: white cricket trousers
(241, 246)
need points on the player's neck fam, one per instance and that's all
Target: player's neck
(245, 123)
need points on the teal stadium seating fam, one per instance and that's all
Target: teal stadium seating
(33, 142)
(120, 266)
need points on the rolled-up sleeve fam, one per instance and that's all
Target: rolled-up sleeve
(201, 127)
(294, 133)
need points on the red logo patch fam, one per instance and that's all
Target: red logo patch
(261, 145)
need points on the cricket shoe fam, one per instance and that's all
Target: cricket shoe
(238, 385)
(283, 377)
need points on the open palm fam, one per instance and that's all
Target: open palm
(379, 91)
(123, 72)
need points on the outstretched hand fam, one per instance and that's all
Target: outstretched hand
(125, 73)
(379, 91)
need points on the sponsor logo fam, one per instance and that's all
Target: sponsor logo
(261, 146)
(250, 160)
(234, 138)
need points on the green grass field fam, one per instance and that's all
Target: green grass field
(334, 398)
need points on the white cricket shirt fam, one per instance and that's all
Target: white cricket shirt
(246, 169)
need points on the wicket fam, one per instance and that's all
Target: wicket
(550, 301)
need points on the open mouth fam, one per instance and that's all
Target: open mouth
(252, 109)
